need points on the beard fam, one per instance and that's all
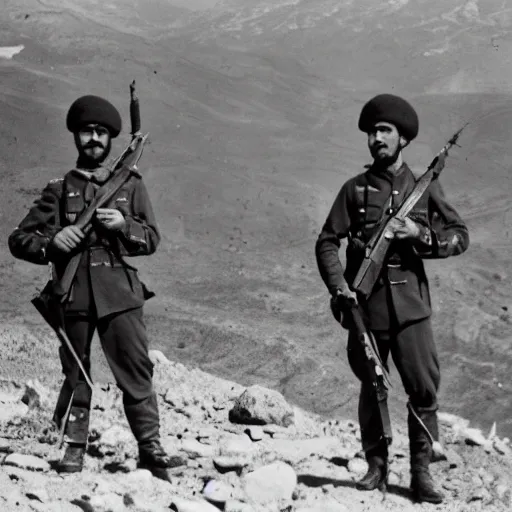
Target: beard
(93, 154)
(383, 158)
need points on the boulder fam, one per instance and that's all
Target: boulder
(260, 406)
(270, 483)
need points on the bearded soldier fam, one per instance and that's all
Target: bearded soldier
(398, 309)
(106, 293)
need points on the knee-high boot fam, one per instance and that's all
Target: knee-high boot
(422, 485)
(76, 427)
(144, 421)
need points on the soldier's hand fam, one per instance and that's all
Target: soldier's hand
(111, 218)
(402, 229)
(341, 302)
(68, 238)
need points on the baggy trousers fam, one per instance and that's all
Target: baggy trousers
(414, 354)
(125, 344)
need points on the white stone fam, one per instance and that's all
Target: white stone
(26, 462)
(474, 436)
(110, 502)
(224, 464)
(217, 492)
(139, 476)
(184, 505)
(238, 506)
(357, 466)
(452, 420)
(5, 447)
(195, 449)
(157, 356)
(237, 445)
(270, 483)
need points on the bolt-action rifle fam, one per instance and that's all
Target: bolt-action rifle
(377, 247)
(376, 372)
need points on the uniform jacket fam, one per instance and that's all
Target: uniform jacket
(104, 280)
(401, 294)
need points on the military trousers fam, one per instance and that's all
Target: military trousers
(125, 343)
(414, 353)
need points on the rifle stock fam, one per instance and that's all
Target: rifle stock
(376, 372)
(377, 247)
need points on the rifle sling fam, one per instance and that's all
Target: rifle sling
(62, 286)
(403, 210)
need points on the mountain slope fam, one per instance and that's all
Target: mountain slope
(253, 130)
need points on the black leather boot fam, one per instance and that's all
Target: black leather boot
(144, 422)
(73, 459)
(152, 455)
(75, 435)
(377, 474)
(423, 488)
(422, 484)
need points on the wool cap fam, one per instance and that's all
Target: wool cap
(390, 109)
(93, 109)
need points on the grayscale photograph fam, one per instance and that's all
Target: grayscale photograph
(256, 255)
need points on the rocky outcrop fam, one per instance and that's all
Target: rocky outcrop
(310, 465)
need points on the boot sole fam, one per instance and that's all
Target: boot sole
(425, 499)
(382, 486)
(68, 469)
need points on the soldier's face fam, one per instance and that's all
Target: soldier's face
(93, 142)
(385, 143)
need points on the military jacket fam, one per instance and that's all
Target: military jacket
(104, 280)
(401, 294)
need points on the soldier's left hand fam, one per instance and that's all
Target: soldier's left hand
(111, 218)
(403, 229)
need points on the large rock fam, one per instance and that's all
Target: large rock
(260, 406)
(270, 483)
(26, 462)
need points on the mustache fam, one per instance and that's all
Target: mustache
(91, 145)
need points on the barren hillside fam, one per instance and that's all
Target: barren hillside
(252, 109)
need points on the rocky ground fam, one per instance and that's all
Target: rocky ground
(287, 460)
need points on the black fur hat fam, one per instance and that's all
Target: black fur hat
(93, 109)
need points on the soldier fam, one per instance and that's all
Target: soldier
(106, 293)
(398, 310)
